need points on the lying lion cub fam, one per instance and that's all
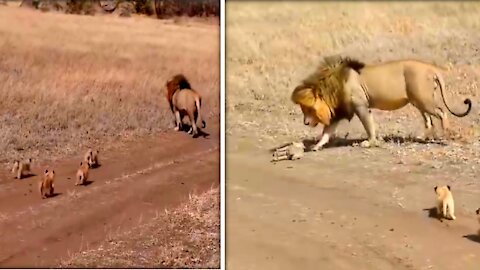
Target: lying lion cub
(292, 151)
(444, 202)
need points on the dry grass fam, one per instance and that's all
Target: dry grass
(186, 237)
(70, 81)
(271, 46)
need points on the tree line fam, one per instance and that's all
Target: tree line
(159, 8)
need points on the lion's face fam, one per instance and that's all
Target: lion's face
(315, 109)
(309, 116)
(319, 113)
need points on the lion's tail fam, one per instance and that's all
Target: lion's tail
(439, 80)
(198, 103)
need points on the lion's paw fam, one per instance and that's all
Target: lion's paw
(365, 144)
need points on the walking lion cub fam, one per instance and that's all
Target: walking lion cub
(46, 185)
(445, 204)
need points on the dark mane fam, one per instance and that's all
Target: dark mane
(327, 83)
(336, 60)
(176, 83)
(181, 81)
(354, 64)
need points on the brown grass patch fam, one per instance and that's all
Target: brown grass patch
(186, 237)
(69, 81)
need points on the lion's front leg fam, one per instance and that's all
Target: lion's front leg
(366, 118)
(328, 132)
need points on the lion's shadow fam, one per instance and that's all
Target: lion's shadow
(28, 175)
(201, 133)
(346, 142)
(473, 237)
(433, 213)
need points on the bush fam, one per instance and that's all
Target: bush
(191, 8)
(144, 7)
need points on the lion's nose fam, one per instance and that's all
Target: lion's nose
(306, 122)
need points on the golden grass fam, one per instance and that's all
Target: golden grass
(272, 46)
(69, 80)
(186, 237)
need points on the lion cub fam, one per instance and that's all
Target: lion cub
(91, 158)
(20, 168)
(445, 202)
(82, 174)
(46, 185)
(292, 151)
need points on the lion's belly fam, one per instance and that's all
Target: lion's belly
(388, 98)
(388, 104)
(386, 89)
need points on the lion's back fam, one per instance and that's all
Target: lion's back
(185, 99)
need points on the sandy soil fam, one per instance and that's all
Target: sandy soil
(132, 186)
(344, 208)
(347, 207)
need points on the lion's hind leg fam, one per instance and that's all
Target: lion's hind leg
(193, 124)
(444, 209)
(437, 112)
(178, 121)
(442, 115)
(427, 121)
(451, 210)
(439, 210)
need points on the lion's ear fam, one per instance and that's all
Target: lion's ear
(448, 187)
(435, 188)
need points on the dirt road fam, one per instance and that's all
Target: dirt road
(131, 186)
(344, 208)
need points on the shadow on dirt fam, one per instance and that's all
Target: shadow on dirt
(87, 183)
(201, 133)
(55, 194)
(473, 237)
(345, 142)
(28, 175)
(402, 140)
(432, 213)
(95, 166)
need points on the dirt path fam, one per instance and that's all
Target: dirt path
(342, 208)
(131, 187)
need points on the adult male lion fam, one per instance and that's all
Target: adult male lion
(343, 87)
(177, 82)
(184, 100)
